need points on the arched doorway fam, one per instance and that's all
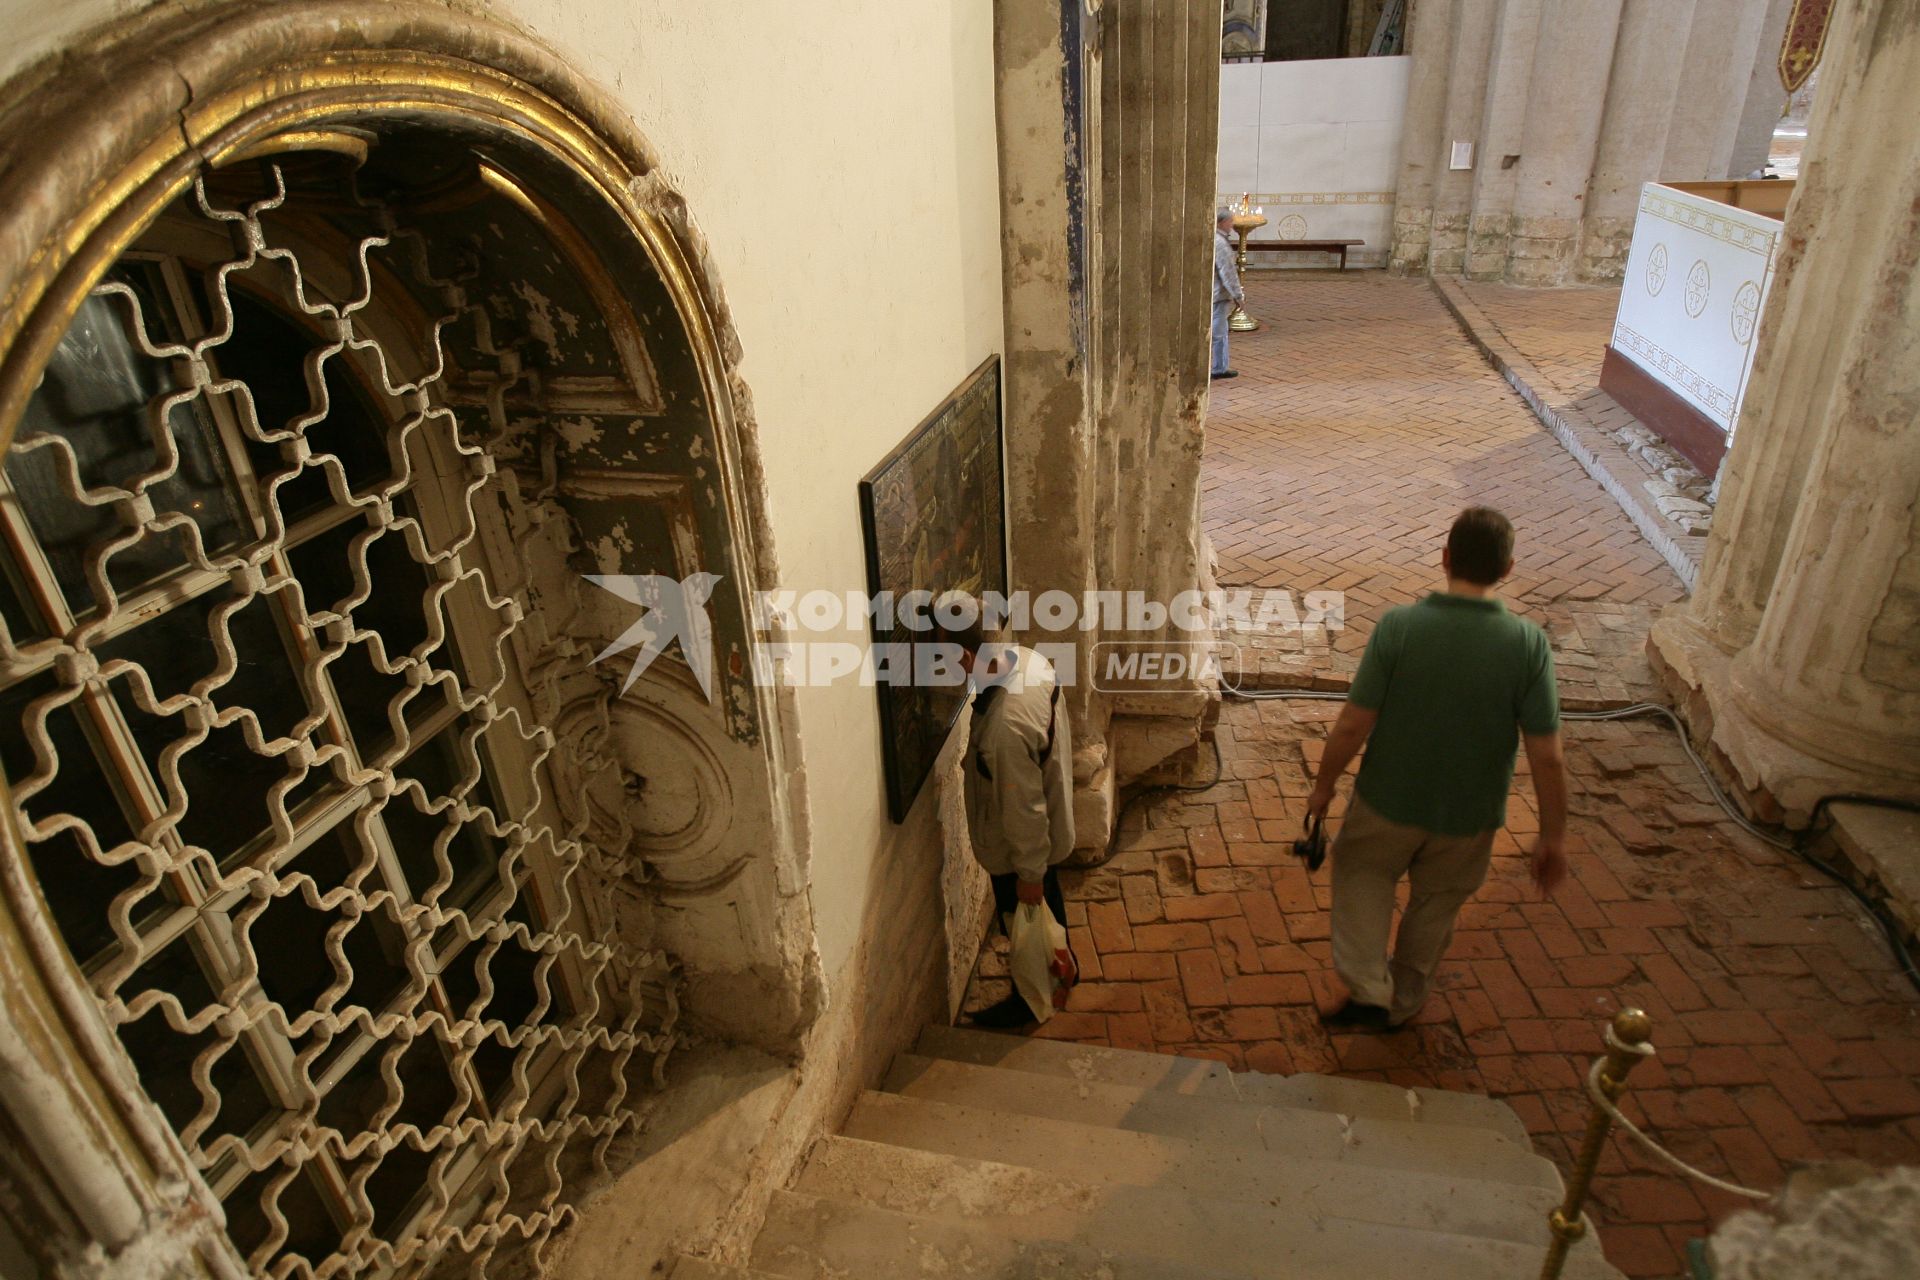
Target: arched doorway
(357, 897)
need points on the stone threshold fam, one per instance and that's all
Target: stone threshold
(1873, 845)
(1604, 458)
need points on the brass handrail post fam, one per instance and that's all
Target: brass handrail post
(1626, 1046)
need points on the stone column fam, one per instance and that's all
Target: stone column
(1045, 231)
(1812, 580)
(1782, 419)
(1151, 251)
(1503, 121)
(1473, 26)
(1633, 132)
(1429, 37)
(1571, 67)
(1721, 50)
(1760, 481)
(1766, 97)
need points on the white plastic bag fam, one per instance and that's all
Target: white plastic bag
(1042, 965)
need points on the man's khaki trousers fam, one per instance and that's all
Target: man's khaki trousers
(1369, 858)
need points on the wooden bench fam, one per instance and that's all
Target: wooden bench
(1307, 246)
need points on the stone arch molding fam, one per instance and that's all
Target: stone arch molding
(96, 144)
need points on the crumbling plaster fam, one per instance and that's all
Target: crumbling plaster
(1104, 455)
(854, 218)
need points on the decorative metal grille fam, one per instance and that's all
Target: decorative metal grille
(275, 762)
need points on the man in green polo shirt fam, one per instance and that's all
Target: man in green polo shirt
(1446, 689)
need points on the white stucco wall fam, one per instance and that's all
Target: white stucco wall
(1317, 144)
(841, 161)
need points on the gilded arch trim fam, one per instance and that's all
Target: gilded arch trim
(93, 156)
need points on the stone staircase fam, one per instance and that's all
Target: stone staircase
(991, 1157)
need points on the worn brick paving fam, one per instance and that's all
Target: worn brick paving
(1784, 1031)
(1553, 343)
(1363, 420)
(1564, 332)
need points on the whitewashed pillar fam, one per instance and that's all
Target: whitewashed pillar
(1633, 132)
(1571, 66)
(1800, 654)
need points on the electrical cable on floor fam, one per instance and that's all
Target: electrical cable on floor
(1889, 928)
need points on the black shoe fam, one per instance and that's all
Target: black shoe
(1354, 1016)
(1010, 1014)
(1225, 373)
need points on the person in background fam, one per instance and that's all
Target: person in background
(1444, 691)
(1019, 771)
(1227, 293)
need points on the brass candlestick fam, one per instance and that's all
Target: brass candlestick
(1243, 223)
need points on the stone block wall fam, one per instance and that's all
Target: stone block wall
(1571, 109)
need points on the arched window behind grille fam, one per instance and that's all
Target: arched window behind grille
(264, 722)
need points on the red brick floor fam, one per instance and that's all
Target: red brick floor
(1564, 332)
(1362, 422)
(1784, 1031)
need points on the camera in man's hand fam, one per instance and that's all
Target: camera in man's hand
(1312, 847)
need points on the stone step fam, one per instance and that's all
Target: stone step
(1383, 1101)
(1198, 1076)
(1206, 1078)
(1416, 1146)
(1363, 1184)
(1442, 1201)
(961, 1228)
(808, 1238)
(701, 1269)
(1278, 1194)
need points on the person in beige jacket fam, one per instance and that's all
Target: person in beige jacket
(1019, 771)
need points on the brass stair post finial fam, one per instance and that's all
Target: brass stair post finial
(1628, 1041)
